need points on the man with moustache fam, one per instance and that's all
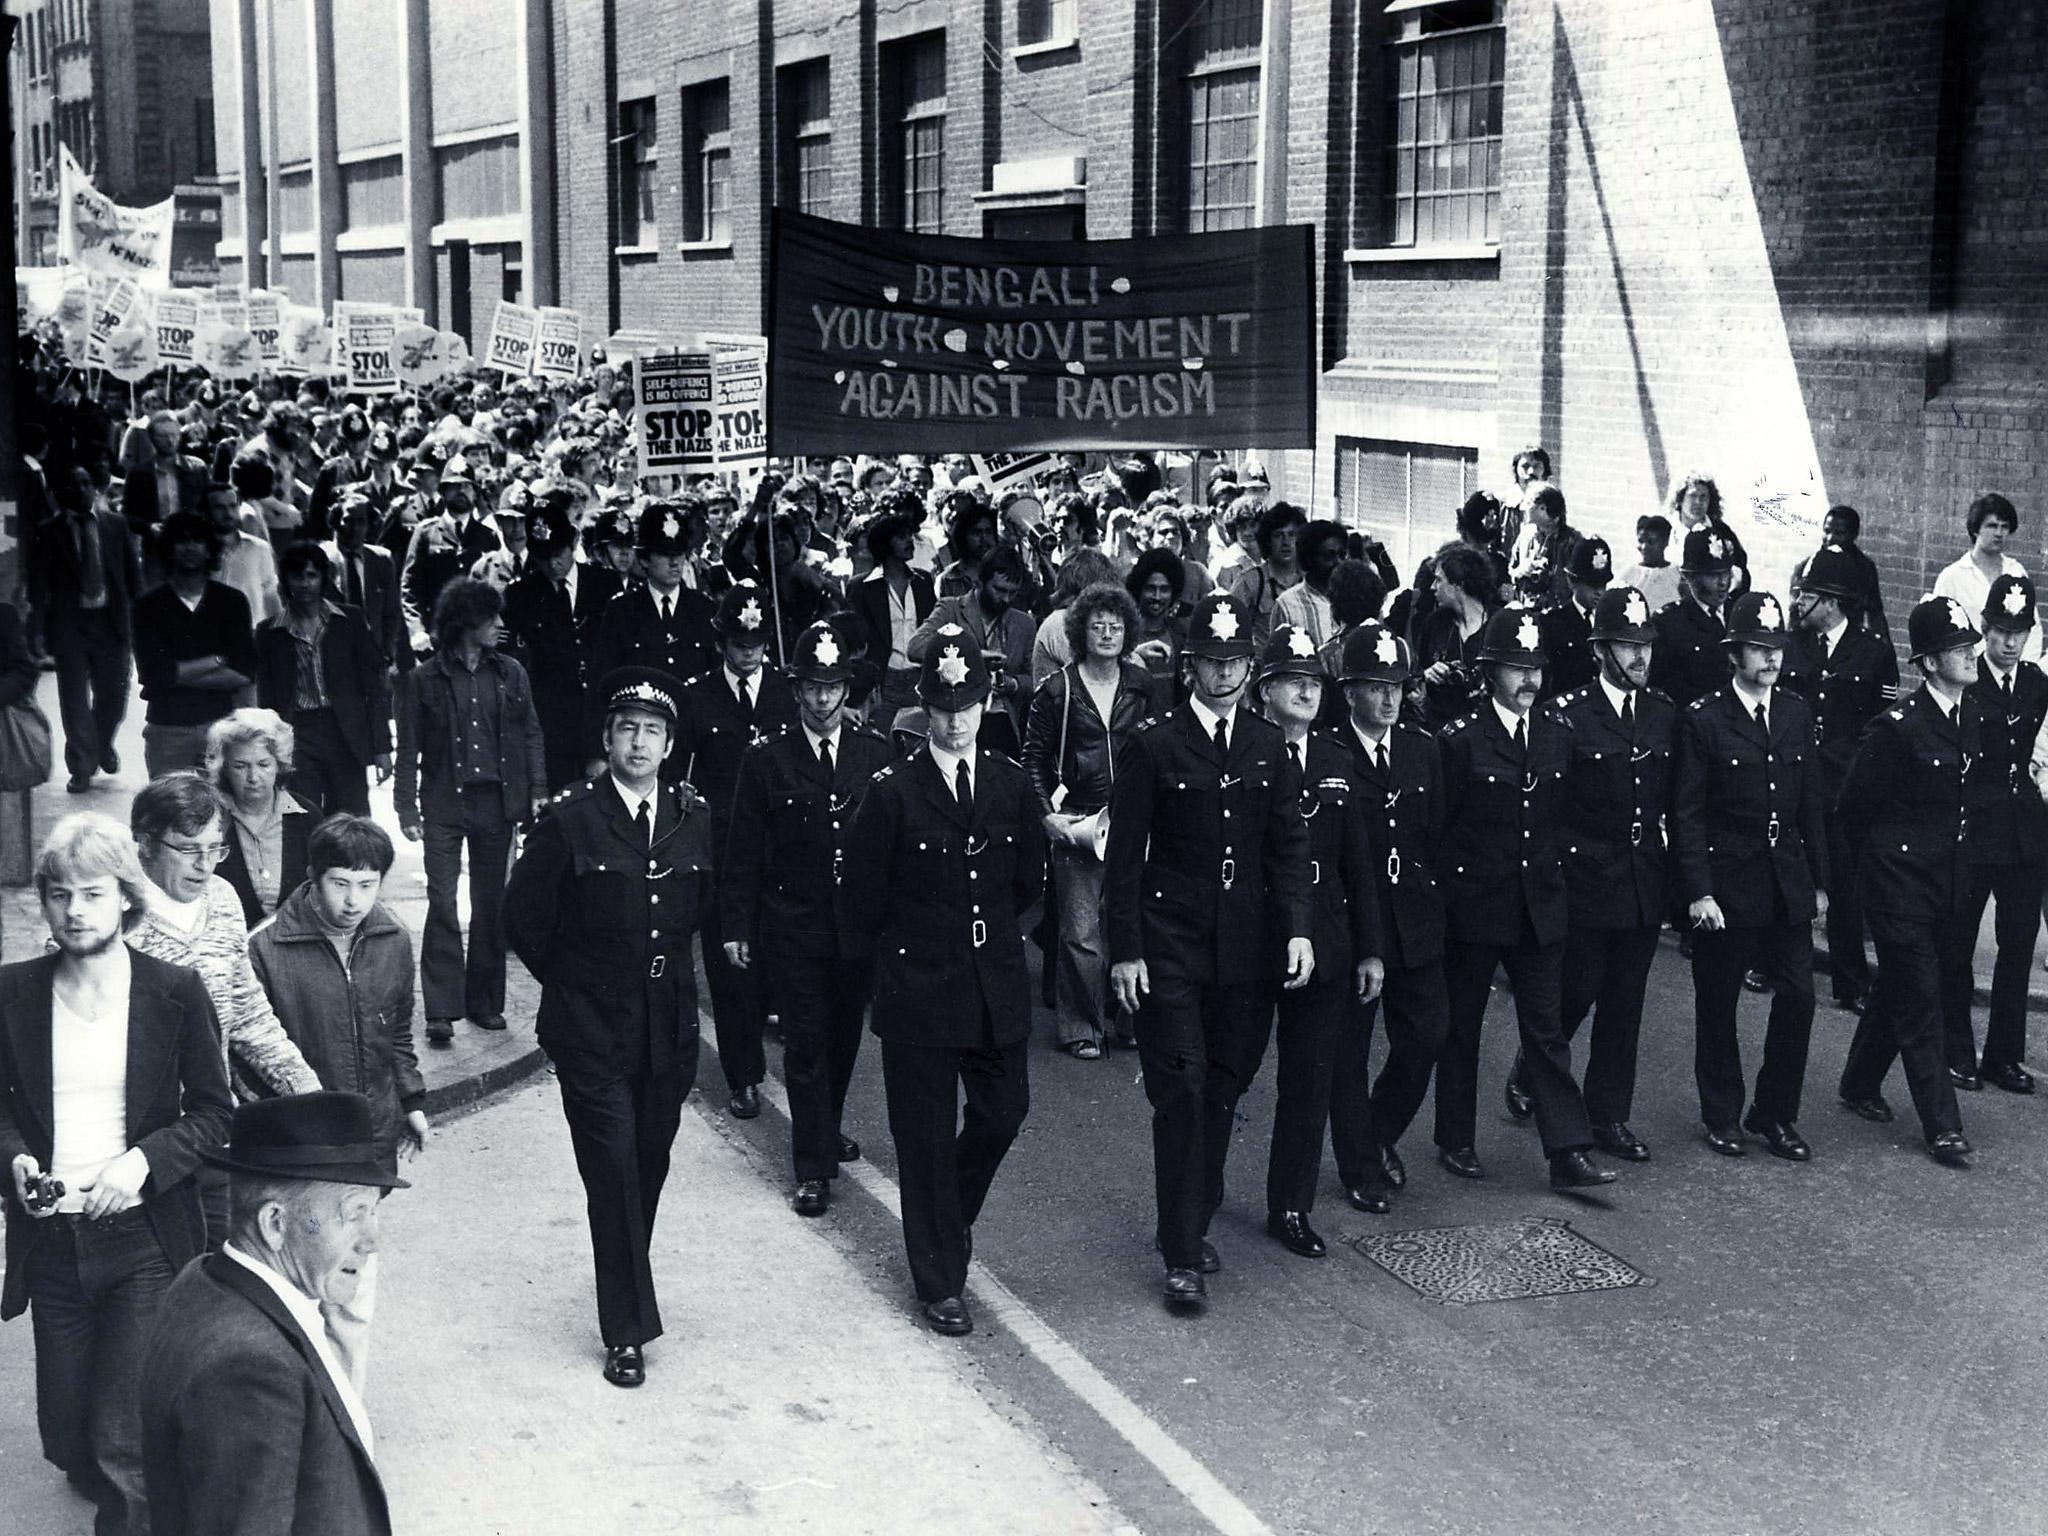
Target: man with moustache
(792, 811)
(1903, 803)
(1616, 787)
(1748, 834)
(1346, 936)
(943, 857)
(1204, 842)
(1504, 892)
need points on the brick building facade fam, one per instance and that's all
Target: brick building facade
(1798, 244)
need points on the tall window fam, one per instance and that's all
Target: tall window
(1047, 21)
(295, 202)
(1223, 114)
(1443, 89)
(205, 159)
(639, 156)
(1405, 494)
(477, 180)
(804, 119)
(917, 148)
(373, 193)
(707, 163)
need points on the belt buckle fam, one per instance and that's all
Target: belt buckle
(1771, 831)
(656, 967)
(1229, 872)
(1394, 866)
(1635, 833)
(838, 858)
(978, 932)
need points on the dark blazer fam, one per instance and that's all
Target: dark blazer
(1690, 659)
(1405, 821)
(426, 782)
(380, 595)
(143, 508)
(1902, 809)
(869, 598)
(242, 1427)
(57, 596)
(2008, 823)
(1500, 857)
(355, 678)
(1343, 895)
(935, 901)
(1617, 791)
(178, 1099)
(1746, 812)
(298, 832)
(1858, 682)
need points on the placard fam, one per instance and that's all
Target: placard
(116, 301)
(131, 349)
(368, 347)
(672, 414)
(266, 324)
(303, 342)
(560, 351)
(177, 326)
(514, 331)
(99, 234)
(418, 355)
(1000, 471)
(739, 381)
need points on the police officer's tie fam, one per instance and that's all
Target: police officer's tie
(963, 789)
(1222, 741)
(1522, 736)
(825, 756)
(1763, 721)
(643, 822)
(1380, 759)
(1628, 714)
(747, 697)
(667, 606)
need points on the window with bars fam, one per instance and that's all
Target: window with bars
(373, 193)
(639, 156)
(1444, 80)
(1406, 495)
(477, 180)
(1224, 42)
(917, 159)
(804, 121)
(1047, 21)
(707, 163)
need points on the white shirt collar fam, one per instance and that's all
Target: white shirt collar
(814, 739)
(733, 680)
(1833, 636)
(1614, 694)
(949, 763)
(652, 799)
(305, 1311)
(1751, 700)
(1508, 718)
(1207, 718)
(1370, 742)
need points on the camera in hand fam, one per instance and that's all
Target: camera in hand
(44, 1191)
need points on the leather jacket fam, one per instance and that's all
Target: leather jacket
(1086, 768)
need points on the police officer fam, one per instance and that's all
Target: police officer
(546, 613)
(1691, 659)
(1503, 769)
(1401, 777)
(443, 547)
(1617, 783)
(1848, 677)
(944, 855)
(1748, 834)
(793, 804)
(2007, 840)
(1902, 804)
(1204, 835)
(1568, 626)
(608, 540)
(725, 710)
(1346, 934)
(600, 908)
(661, 624)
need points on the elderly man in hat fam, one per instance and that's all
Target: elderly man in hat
(1400, 774)
(601, 908)
(1617, 780)
(547, 614)
(1691, 660)
(1903, 809)
(444, 547)
(1748, 835)
(943, 858)
(250, 1421)
(2007, 836)
(792, 812)
(1848, 677)
(1568, 625)
(1500, 864)
(663, 623)
(1207, 861)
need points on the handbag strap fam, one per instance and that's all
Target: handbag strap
(1066, 714)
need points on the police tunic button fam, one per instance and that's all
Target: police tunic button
(976, 908)
(654, 934)
(1525, 863)
(1226, 850)
(1226, 815)
(920, 847)
(655, 901)
(652, 865)
(600, 868)
(974, 874)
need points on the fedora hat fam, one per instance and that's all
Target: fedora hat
(318, 1137)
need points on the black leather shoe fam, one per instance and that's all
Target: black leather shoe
(1951, 1149)
(1755, 981)
(110, 761)
(948, 1315)
(1185, 1288)
(440, 1031)
(811, 1198)
(1369, 1199)
(1617, 1140)
(1575, 1170)
(490, 1021)
(1724, 1140)
(1969, 1082)
(1208, 1263)
(2012, 1077)
(1520, 1105)
(849, 1150)
(1295, 1234)
(1462, 1161)
(1780, 1136)
(78, 784)
(1392, 1169)
(625, 1366)
(1874, 1109)
(745, 1103)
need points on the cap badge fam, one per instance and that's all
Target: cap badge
(1716, 550)
(1956, 617)
(750, 613)
(1599, 557)
(1635, 610)
(670, 527)
(2015, 600)
(952, 667)
(1223, 622)
(1768, 614)
(827, 650)
(1299, 644)
(1389, 649)
(1527, 636)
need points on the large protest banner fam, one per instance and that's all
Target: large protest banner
(885, 342)
(97, 233)
(672, 415)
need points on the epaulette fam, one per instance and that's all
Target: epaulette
(1413, 729)
(1657, 693)
(1149, 721)
(864, 729)
(1457, 725)
(1002, 757)
(883, 772)
(576, 791)
(1700, 702)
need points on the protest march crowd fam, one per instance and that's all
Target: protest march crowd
(921, 746)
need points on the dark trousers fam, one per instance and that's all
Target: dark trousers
(1535, 972)
(1784, 953)
(820, 1003)
(739, 1010)
(323, 763)
(622, 1126)
(1366, 1114)
(1199, 1047)
(1847, 964)
(453, 987)
(1916, 965)
(94, 1288)
(945, 1161)
(1605, 973)
(1304, 1057)
(2017, 889)
(92, 688)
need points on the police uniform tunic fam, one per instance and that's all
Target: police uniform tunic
(629, 631)
(1200, 844)
(2008, 848)
(548, 634)
(1567, 631)
(1690, 659)
(603, 919)
(1902, 803)
(784, 864)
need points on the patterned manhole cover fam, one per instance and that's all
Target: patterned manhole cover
(1508, 1261)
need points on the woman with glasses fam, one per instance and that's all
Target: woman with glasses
(248, 758)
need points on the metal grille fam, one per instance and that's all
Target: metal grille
(1511, 1261)
(1406, 495)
